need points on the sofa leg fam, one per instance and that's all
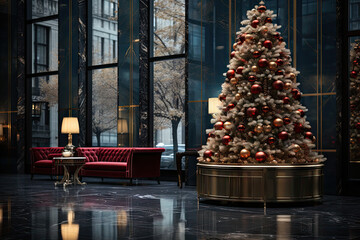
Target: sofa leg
(51, 177)
(131, 182)
(102, 179)
(32, 176)
(158, 180)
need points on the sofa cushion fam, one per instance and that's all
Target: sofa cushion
(115, 154)
(91, 154)
(40, 153)
(109, 166)
(44, 163)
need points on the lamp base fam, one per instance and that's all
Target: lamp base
(69, 151)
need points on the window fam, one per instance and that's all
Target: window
(41, 48)
(168, 74)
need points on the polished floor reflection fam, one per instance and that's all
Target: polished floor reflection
(113, 210)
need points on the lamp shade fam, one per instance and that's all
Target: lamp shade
(1, 129)
(70, 125)
(214, 104)
(122, 126)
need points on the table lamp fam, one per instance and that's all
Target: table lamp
(70, 125)
(214, 104)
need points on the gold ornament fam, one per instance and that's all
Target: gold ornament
(287, 85)
(258, 129)
(352, 141)
(249, 37)
(237, 96)
(228, 125)
(292, 76)
(254, 68)
(278, 122)
(267, 128)
(272, 65)
(244, 153)
(233, 81)
(295, 147)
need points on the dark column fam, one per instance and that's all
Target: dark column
(68, 64)
(145, 86)
(342, 97)
(21, 83)
(83, 110)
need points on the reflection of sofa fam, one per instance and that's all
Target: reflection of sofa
(121, 162)
(42, 160)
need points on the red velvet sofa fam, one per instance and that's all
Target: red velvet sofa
(103, 162)
(42, 160)
(121, 162)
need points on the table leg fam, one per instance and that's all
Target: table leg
(76, 177)
(65, 178)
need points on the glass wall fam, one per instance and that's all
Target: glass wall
(44, 71)
(168, 77)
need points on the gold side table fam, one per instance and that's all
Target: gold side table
(72, 166)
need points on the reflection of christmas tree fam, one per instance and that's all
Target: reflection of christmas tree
(261, 119)
(355, 101)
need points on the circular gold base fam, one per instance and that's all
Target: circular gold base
(260, 183)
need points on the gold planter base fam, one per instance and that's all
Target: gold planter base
(260, 183)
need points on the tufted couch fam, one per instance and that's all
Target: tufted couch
(104, 162)
(42, 160)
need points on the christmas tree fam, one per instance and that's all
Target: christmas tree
(261, 119)
(355, 101)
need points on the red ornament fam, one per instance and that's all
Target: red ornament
(242, 37)
(231, 106)
(256, 89)
(294, 91)
(268, 20)
(211, 135)
(297, 96)
(232, 55)
(208, 153)
(353, 74)
(286, 120)
(255, 23)
(283, 135)
(226, 139)
(271, 140)
(278, 85)
(298, 128)
(357, 125)
(241, 128)
(252, 78)
(279, 72)
(279, 62)
(222, 97)
(265, 109)
(309, 135)
(277, 35)
(239, 70)
(262, 62)
(352, 107)
(267, 44)
(260, 156)
(256, 54)
(230, 74)
(286, 100)
(261, 9)
(302, 113)
(252, 111)
(219, 125)
(281, 39)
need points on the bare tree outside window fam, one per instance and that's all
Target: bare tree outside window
(169, 76)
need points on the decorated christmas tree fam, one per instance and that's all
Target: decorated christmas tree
(261, 118)
(355, 101)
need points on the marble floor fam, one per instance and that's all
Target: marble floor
(114, 210)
